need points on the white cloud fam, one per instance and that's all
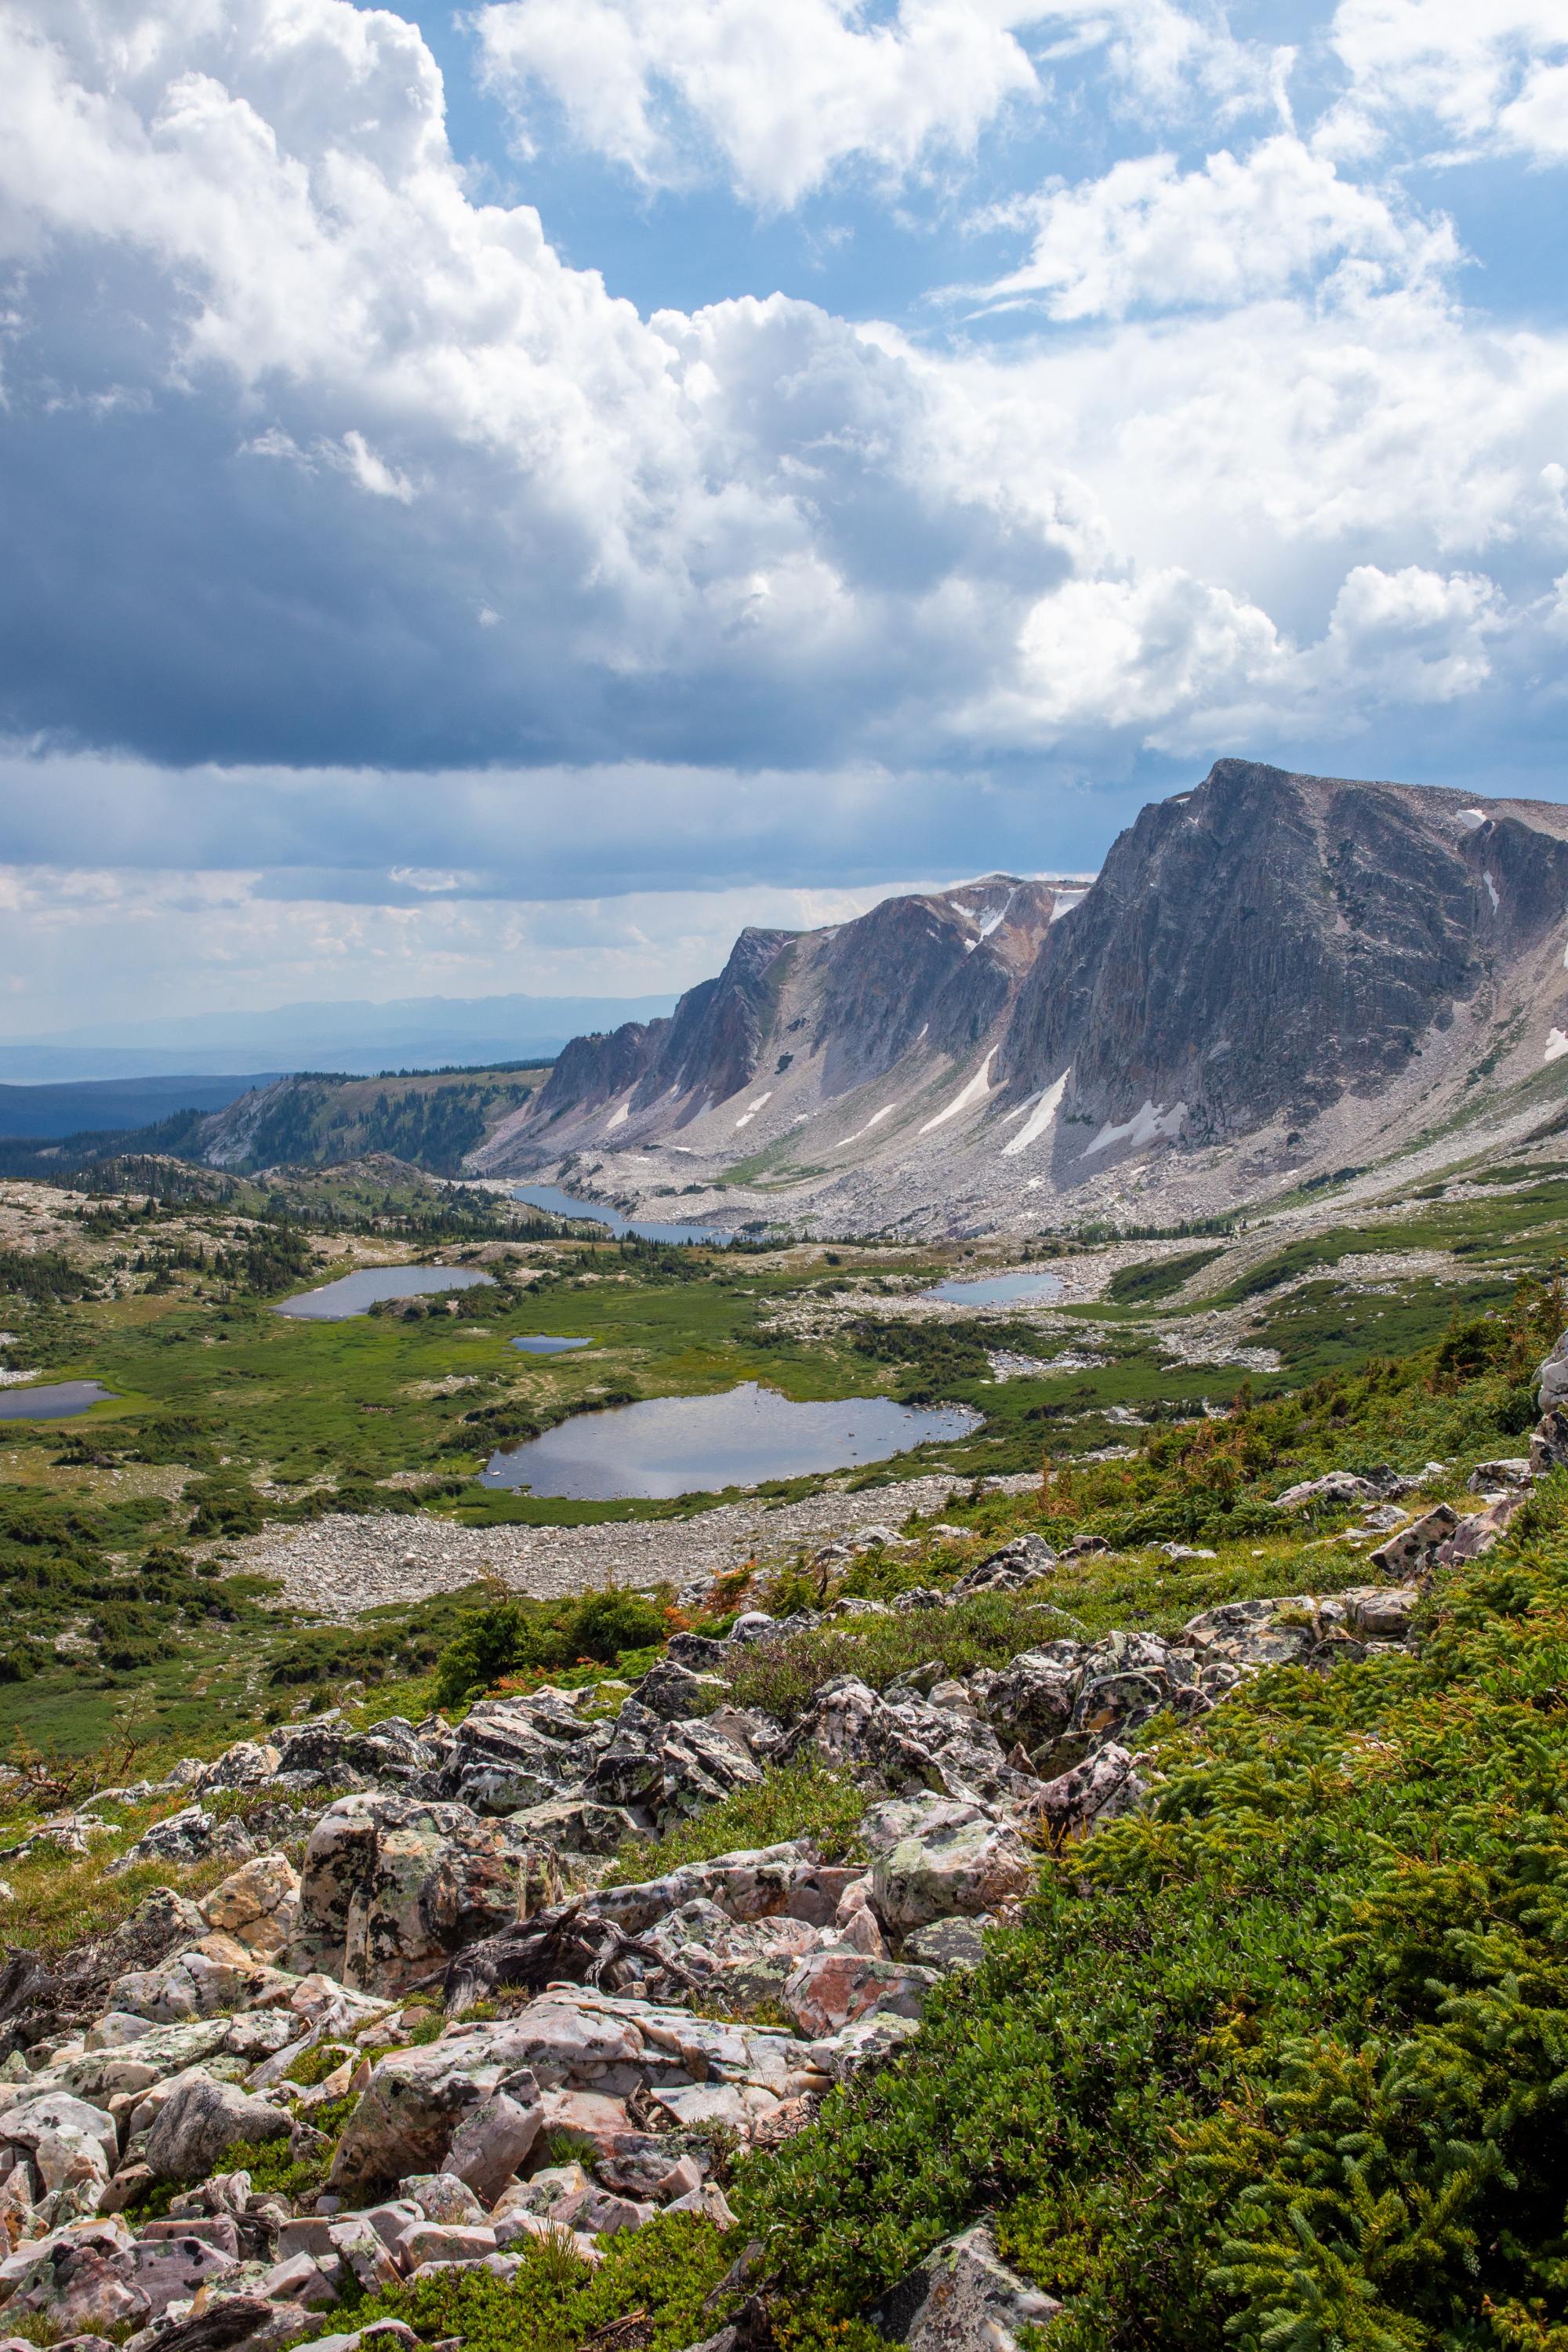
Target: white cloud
(778, 98)
(611, 586)
(213, 941)
(783, 94)
(1410, 635)
(1487, 74)
(1150, 234)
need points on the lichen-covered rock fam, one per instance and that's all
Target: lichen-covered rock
(201, 2120)
(391, 1885)
(963, 2298)
(257, 1904)
(936, 1858)
(1098, 1790)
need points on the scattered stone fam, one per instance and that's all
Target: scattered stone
(963, 2298)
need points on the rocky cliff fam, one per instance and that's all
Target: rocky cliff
(1274, 976)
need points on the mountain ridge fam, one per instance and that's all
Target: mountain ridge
(1273, 974)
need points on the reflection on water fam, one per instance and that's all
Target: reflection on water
(696, 1444)
(354, 1293)
(566, 1204)
(56, 1403)
(540, 1346)
(996, 1290)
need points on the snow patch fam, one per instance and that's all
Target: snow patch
(1492, 890)
(749, 1114)
(875, 1121)
(1556, 1045)
(1042, 1116)
(619, 1117)
(1470, 818)
(1145, 1126)
(1065, 901)
(979, 1087)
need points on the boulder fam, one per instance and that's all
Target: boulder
(1081, 1802)
(201, 2120)
(829, 1990)
(257, 1904)
(1552, 1377)
(1415, 1546)
(937, 1858)
(391, 1885)
(417, 2101)
(963, 2298)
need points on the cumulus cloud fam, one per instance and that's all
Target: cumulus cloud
(780, 96)
(359, 546)
(777, 99)
(1149, 234)
(1487, 75)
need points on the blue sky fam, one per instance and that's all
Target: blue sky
(496, 499)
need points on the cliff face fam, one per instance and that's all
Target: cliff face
(1270, 942)
(1302, 968)
(806, 1018)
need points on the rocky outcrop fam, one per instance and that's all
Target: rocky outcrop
(631, 2029)
(1315, 962)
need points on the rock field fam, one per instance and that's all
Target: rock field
(345, 1564)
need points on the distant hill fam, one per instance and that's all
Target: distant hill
(433, 1120)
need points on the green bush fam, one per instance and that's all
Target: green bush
(555, 2301)
(513, 1636)
(1279, 2062)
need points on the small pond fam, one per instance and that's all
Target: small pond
(997, 1290)
(540, 1346)
(566, 1205)
(353, 1293)
(56, 1403)
(696, 1444)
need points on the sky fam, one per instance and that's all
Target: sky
(495, 498)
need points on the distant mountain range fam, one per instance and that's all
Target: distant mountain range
(414, 1033)
(1276, 979)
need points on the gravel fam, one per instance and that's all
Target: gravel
(344, 1565)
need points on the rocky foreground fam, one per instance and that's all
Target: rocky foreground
(456, 2035)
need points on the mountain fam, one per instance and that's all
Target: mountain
(413, 1032)
(1276, 977)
